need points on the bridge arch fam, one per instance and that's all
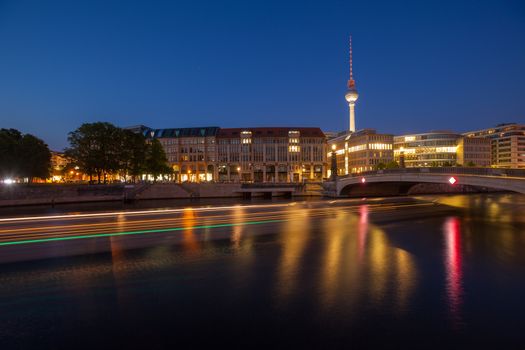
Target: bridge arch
(404, 179)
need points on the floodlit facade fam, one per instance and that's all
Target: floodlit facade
(271, 154)
(507, 144)
(248, 155)
(474, 151)
(361, 151)
(441, 148)
(191, 152)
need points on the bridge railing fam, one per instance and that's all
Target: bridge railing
(446, 170)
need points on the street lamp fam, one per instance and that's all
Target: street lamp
(333, 169)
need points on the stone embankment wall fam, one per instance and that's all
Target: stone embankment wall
(49, 194)
(189, 190)
(21, 194)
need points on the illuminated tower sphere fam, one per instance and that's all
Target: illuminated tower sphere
(351, 95)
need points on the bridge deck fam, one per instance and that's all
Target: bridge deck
(504, 179)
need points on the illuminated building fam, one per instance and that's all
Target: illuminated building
(441, 148)
(271, 154)
(361, 151)
(507, 144)
(351, 95)
(191, 152)
(474, 151)
(58, 164)
(63, 170)
(250, 154)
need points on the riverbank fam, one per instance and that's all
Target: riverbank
(51, 195)
(17, 195)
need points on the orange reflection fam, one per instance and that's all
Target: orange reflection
(236, 236)
(360, 265)
(363, 229)
(294, 239)
(189, 240)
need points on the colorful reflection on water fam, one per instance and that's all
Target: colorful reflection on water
(435, 272)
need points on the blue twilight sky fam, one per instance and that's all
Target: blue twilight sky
(419, 65)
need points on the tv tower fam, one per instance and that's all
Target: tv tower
(351, 95)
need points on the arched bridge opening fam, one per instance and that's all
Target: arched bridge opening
(428, 180)
(382, 189)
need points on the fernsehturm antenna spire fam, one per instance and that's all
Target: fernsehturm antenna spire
(351, 95)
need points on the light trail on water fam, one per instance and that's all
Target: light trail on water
(42, 229)
(100, 235)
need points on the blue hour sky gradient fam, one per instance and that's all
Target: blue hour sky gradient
(419, 65)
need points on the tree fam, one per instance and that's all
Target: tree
(95, 147)
(156, 161)
(23, 156)
(471, 164)
(392, 165)
(381, 166)
(133, 154)
(36, 158)
(10, 156)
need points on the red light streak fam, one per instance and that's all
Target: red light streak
(453, 265)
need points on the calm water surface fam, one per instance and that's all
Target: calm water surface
(373, 276)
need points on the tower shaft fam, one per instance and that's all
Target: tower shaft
(352, 116)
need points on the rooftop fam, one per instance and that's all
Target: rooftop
(270, 132)
(182, 132)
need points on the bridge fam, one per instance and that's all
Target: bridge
(269, 190)
(405, 178)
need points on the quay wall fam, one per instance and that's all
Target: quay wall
(23, 194)
(50, 194)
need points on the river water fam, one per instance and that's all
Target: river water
(366, 275)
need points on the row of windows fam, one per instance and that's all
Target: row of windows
(186, 141)
(261, 140)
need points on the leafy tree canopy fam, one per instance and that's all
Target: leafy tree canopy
(23, 156)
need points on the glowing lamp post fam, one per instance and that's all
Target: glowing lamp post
(333, 168)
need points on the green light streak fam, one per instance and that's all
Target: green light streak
(100, 235)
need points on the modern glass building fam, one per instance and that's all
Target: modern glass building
(441, 148)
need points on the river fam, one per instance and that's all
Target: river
(420, 272)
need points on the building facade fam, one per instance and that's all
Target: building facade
(248, 155)
(361, 151)
(441, 148)
(507, 144)
(191, 152)
(271, 154)
(474, 151)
